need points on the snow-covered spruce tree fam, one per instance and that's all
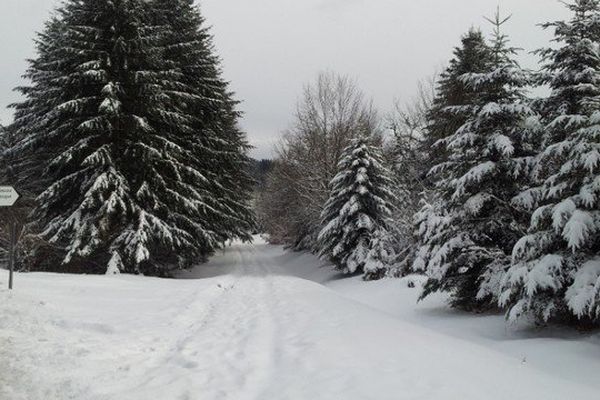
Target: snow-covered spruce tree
(220, 146)
(451, 107)
(488, 162)
(105, 108)
(472, 56)
(357, 216)
(556, 270)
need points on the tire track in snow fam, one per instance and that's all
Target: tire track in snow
(227, 353)
(292, 371)
(253, 353)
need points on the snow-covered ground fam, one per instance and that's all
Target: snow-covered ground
(260, 323)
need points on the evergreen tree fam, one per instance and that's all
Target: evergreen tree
(450, 110)
(556, 270)
(107, 116)
(357, 215)
(472, 56)
(488, 162)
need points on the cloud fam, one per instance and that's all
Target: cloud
(338, 5)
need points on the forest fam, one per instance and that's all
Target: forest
(128, 156)
(489, 192)
(443, 246)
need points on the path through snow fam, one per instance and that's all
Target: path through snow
(245, 327)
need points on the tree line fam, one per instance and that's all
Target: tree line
(492, 194)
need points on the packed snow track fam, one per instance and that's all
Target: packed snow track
(244, 327)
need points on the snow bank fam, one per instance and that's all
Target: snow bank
(260, 323)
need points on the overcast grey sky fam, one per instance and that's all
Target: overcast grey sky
(270, 48)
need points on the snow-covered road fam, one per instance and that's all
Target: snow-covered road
(246, 326)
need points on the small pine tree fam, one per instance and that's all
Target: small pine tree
(357, 216)
(556, 269)
(115, 265)
(488, 162)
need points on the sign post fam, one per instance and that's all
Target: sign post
(8, 197)
(11, 253)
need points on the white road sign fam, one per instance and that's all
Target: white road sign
(8, 196)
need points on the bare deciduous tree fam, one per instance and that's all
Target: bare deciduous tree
(331, 112)
(405, 153)
(408, 122)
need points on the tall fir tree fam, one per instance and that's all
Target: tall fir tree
(489, 159)
(556, 270)
(472, 56)
(120, 152)
(357, 216)
(450, 110)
